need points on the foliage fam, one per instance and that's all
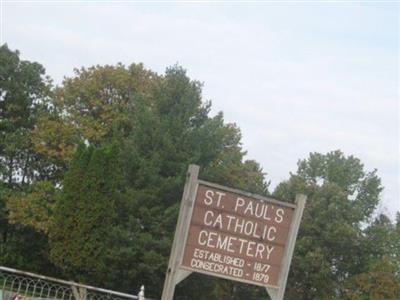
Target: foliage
(92, 172)
(24, 95)
(382, 239)
(330, 245)
(84, 216)
(160, 125)
(33, 207)
(95, 99)
(381, 281)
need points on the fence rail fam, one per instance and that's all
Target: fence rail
(20, 285)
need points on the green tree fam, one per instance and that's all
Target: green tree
(110, 208)
(162, 126)
(379, 277)
(382, 240)
(85, 214)
(172, 130)
(381, 281)
(341, 197)
(24, 95)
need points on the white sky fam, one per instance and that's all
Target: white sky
(295, 77)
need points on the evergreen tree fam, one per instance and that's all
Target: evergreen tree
(171, 130)
(85, 214)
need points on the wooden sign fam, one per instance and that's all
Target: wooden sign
(233, 234)
(237, 237)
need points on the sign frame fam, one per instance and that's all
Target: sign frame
(176, 272)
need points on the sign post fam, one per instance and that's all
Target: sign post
(233, 234)
(174, 273)
(277, 294)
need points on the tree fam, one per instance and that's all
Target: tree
(85, 214)
(381, 281)
(33, 207)
(379, 277)
(110, 208)
(162, 125)
(24, 95)
(172, 131)
(341, 196)
(95, 100)
(382, 241)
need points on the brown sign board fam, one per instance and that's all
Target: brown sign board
(233, 234)
(237, 237)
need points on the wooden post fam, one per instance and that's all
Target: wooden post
(80, 293)
(174, 275)
(277, 294)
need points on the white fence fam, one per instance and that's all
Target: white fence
(19, 285)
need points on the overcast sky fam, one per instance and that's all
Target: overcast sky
(295, 77)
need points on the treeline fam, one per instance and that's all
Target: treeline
(92, 172)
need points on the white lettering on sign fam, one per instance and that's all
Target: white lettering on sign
(217, 241)
(239, 225)
(209, 197)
